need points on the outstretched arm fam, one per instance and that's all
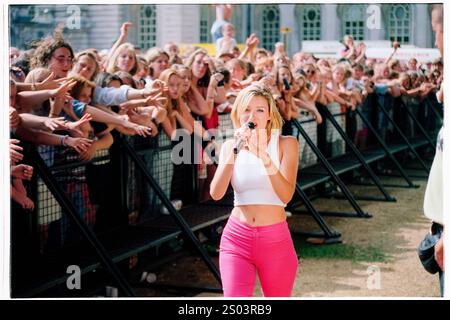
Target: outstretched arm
(122, 38)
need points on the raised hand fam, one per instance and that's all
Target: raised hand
(143, 131)
(209, 61)
(22, 171)
(63, 90)
(50, 82)
(52, 124)
(268, 81)
(124, 28)
(215, 79)
(157, 100)
(254, 76)
(243, 133)
(80, 145)
(25, 202)
(14, 118)
(89, 153)
(158, 85)
(73, 127)
(252, 41)
(15, 151)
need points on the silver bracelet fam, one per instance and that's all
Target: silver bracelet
(63, 140)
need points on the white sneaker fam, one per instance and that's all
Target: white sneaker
(148, 277)
(177, 204)
(288, 214)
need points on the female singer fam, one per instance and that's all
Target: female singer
(263, 175)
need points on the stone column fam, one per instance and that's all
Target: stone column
(375, 32)
(287, 20)
(178, 23)
(331, 26)
(421, 26)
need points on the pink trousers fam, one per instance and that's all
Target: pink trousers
(268, 250)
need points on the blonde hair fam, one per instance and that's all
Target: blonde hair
(243, 100)
(263, 61)
(297, 77)
(350, 37)
(191, 58)
(180, 67)
(165, 76)
(346, 71)
(203, 82)
(153, 54)
(91, 55)
(112, 64)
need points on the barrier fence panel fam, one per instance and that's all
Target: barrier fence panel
(348, 159)
(386, 108)
(306, 154)
(315, 174)
(113, 199)
(74, 223)
(336, 143)
(384, 148)
(169, 206)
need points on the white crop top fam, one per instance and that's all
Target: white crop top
(250, 180)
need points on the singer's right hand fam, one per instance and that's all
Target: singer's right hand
(243, 133)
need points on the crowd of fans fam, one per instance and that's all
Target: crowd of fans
(73, 101)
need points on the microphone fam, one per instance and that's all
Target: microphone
(240, 142)
(286, 84)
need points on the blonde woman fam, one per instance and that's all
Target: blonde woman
(263, 175)
(306, 100)
(85, 65)
(123, 59)
(176, 110)
(283, 91)
(158, 61)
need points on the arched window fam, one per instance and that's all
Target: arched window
(309, 16)
(270, 26)
(147, 27)
(353, 21)
(400, 23)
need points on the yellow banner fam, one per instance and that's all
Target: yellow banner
(211, 48)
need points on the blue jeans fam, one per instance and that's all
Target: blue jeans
(216, 30)
(441, 282)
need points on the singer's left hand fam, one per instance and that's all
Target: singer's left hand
(257, 144)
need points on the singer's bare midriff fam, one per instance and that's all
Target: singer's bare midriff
(259, 215)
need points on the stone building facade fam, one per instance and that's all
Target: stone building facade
(155, 24)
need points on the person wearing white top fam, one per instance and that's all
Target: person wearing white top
(433, 200)
(256, 239)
